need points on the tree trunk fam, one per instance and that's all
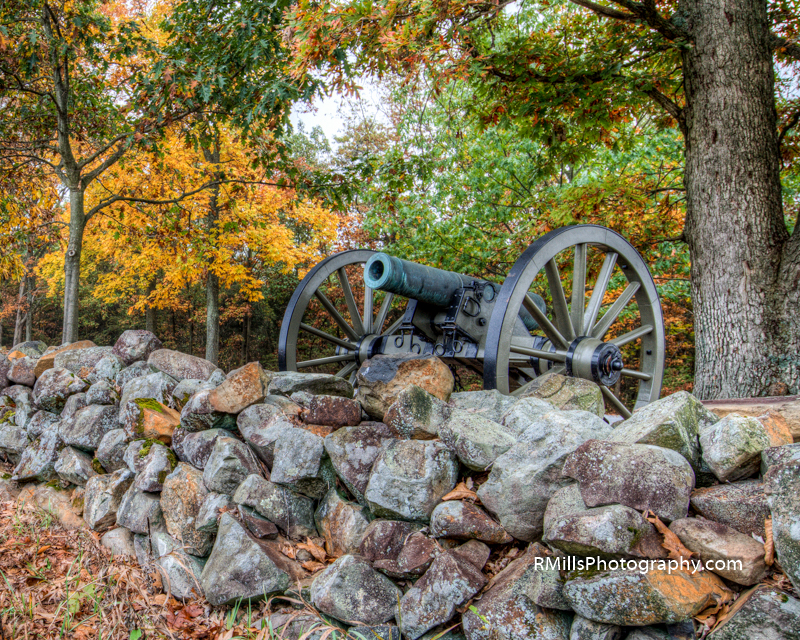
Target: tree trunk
(72, 265)
(212, 318)
(20, 319)
(30, 281)
(734, 222)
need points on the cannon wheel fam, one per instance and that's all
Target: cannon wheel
(576, 319)
(363, 321)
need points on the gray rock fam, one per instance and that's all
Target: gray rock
(106, 369)
(639, 476)
(782, 487)
(766, 614)
(741, 505)
(523, 413)
(477, 441)
(5, 365)
(22, 371)
(140, 511)
(291, 512)
(38, 460)
(732, 447)
(13, 441)
(208, 515)
(567, 393)
(119, 541)
(379, 632)
(525, 477)
(53, 388)
(136, 370)
(40, 422)
(353, 451)
(715, 543)
(289, 408)
(135, 345)
(85, 430)
(260, 425)
(230, 462)
(505, 610)
(417, 414)
(24, 408)
(385, 539)
(341, 523)
(195, 448)
(135, 453)
(300, 463)
(186, 388)
(74, 466)
(464, 521)
(490, 404)
(241, 568)
(181, 498)
(610, 531)
(181, 574)
(73, 404)
(80, 361)
(102, 392)
(181, 365)
(584, 629)
(32, 348)
(318, 384)
(102, 498)
(111, 450)
(9, 490)
(409, 479)
(433, 599)
(198, 414)
(158, 464)
(779, 455)
(155, 386)
(673, 422)
(350, 590)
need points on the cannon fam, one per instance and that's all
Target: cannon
(579, 301)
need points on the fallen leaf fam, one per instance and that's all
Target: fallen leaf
(312, 566)
(288, 550)
(315, 550)
(769, 543)
(461, 492)
(671, 542)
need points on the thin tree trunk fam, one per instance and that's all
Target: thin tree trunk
(30, 283)
(72, 265)
(20, 319)
(212, 318)
(746, 343)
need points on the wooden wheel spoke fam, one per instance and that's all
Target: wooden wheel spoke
(393, 327)
(345, 357)
(383, 312)
(560, 311)
(538, 353)
(327, 336)
(369, 296)
(600, 329)
(549, 329)
(625, 338)
(578, 289)
(615, 402)
(352, 307)
(337, 317)
(350, 368)
(599, 291)
(639, 375)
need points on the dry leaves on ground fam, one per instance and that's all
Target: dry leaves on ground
(671, 543)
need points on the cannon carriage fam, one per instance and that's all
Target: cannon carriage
(579, 301)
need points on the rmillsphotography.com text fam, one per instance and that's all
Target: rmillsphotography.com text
(692, 565)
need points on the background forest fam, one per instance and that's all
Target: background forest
(149, 176)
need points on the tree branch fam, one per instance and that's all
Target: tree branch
(606, 12)
(669, 106)
(645, 11)
(791, 49)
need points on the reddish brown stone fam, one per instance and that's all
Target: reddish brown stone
(740, 505)
(416, 556)
(260, 527)
(243, 387)
(47, 361)
(384, 539)
(333, 411)
(463, 520)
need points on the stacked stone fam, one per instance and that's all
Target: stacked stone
(211, 477)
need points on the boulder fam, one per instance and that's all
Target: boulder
(352, 591)
(135, 345)
(720, 547)
(740, 505)
(85, 430)
(433, 599)
(300, 463)
(505, 611)
(186, 388)
(13, 441)
(80, 361)
(341, 523)
(181, 498)
(464, 521)
(46, 361)
(106, 370)
(119, 541)
(243, 387)
(779, 455)
(319, 384)
(260, 425)
(567, 393)
(103, 496)
(353, 451)
(381, 380)
(22, 371)
(136, 370)
(241, 568)
(732, 447)
(102, 392)
(585, 629)
(181, 365)
(59, 504)
(477, 441)
(181, 574)
(292, 512)
(416, 414)
(135, 453)
(763, 612)
(73, 404)
(409, 479)
(415, 557)
(210, 510)
(639, 476)
(333, 411)
(195, 448)
(40, 422)
(490, 404)
(53, 388)
(158, 464)
(111, 450)
(788, 407)
(38, 460)
(230, 462)
(198, 414)
(32, 348)
(9, 490)
(610, 531)
(782, 487)
(74, 466)
(636, 597)
(384, 539)
(140, 511)
(155, 386)
(5, 365)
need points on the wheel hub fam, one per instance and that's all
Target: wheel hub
(594, 360)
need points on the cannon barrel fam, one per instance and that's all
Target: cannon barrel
(427, 284)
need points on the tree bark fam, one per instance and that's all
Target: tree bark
(30, 281)
(734, 222)
(72, 265)
(212, 318)
(20, 318)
